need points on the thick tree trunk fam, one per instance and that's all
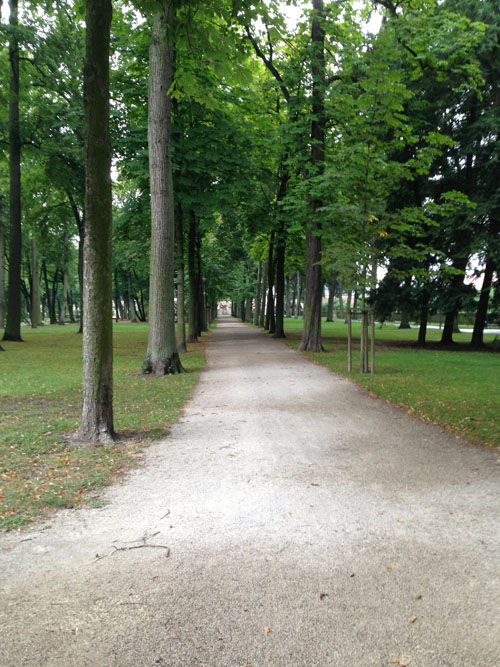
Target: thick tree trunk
(405, 319)
(35, 286)
(256, 315)
(455, 296)
(97, 413)
(181, 318)
(482, 306)
(162, 356)
(193, 286)
(13, 324)
(2, 274)
(311, 334)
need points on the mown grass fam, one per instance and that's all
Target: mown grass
(40, 405)
(457, 389)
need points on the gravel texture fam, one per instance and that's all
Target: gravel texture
(307, 524)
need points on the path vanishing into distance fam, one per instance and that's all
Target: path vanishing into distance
(288, 519)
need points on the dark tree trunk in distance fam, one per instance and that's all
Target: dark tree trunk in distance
(193, 287)
(331, 294)
(181, 320)
(13, 324)
(97, 413)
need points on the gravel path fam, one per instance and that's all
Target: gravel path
(308, 524)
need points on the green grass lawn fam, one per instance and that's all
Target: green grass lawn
(40, 405)
(457, 389)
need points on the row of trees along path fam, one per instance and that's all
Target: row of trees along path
(267, 154)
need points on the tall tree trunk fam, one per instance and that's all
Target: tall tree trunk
(311, 334)
(280, 254)
(71, 307)
(256, 315)
(455, 295)
(162, 356)
(193, 287)
(13, 325)
(348, 302)
(118, 315)
(2, 274)
(35, 286)
(181, 318)
(482, 306)
(97, 412)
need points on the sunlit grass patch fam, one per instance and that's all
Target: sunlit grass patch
(40, 394)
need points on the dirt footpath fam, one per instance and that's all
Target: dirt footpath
(288, 520)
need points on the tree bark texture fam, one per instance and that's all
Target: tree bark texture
(311, 334)
(13, 324)
(162, 357)
(97, 413)
(262, 317)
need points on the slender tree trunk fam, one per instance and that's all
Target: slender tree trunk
(280, 255)
(262, 318)
(348, 303)
(341, 301)
(299, 295)
(424, 317)
(193, 287)
(53, 298)
(64, 297)
(35, 286)
(162, 357)
(2, 274)
(270, 320)
(13, 325)
(131, 305)
(181, 319)
(331, 294)
(288, 308)
(97, 413)
(256, 315)
(80, 223)
(71, 307)
(311, 334)
(200, 285)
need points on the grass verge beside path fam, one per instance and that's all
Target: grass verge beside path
(40, 405)
(456, 389)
